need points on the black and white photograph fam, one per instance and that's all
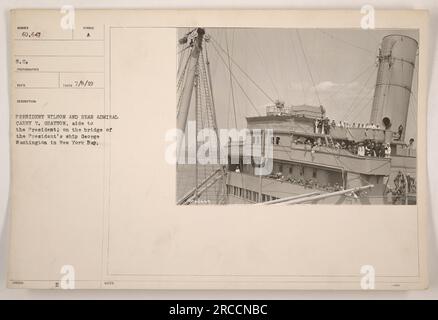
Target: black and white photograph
(273, 116)
(155, 153)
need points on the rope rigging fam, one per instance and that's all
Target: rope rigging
(197, 64)
(308, 67)
(232, 95)
(356, 77)
(236, 80)
(297, 65)
(243, 72)
(346, 42)
(353, 103)
(258, 50)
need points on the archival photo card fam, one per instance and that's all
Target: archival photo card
(163, 149)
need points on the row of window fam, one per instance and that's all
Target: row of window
(301, 170)
(275, 140)
(248, 194)
(256, 139)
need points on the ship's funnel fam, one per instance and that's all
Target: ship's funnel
(394, 81)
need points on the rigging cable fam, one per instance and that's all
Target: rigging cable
(357, 96)
(235, 79)
(363, 107)
(234, 102)
(259, 52)
(346, 42)
(358, 104)
(231, 81)
(295, 54)
(223, 189)
(180, 84)
(243, 71)
(364, 71)
(308, 66)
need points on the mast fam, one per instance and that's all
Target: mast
(196, 43)
(195, 79)
(196, 84)
(210, 84)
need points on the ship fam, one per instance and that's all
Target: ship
(314, 159)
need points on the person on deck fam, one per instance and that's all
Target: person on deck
(380, 150)
(367, 150)
(410, 147)
(314, 147)
(400, 131)
(361, 150)
(387, 150)
(326, 125)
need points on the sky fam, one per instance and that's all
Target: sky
(333, 67)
